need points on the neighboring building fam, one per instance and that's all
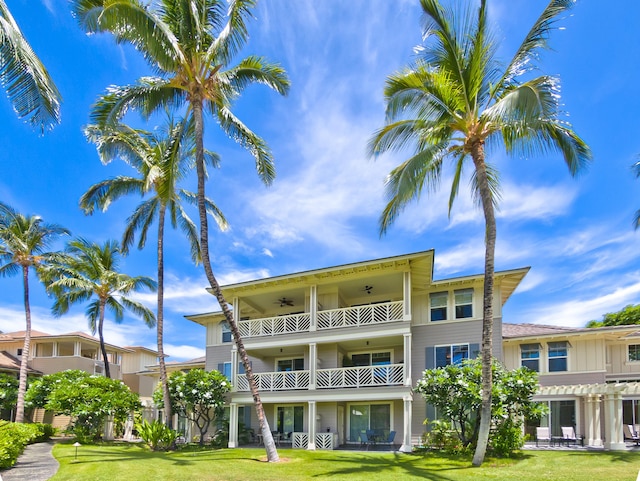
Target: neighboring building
(336, 351)
(590, 377)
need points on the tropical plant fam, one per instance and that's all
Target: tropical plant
(8, 391)
(453, 104)
(157, 435)
(162, 161)
(31, 91)
(198, 395)
(88, 399)
(91, 271)
(626, 316)
(191, 44)
(24, 244)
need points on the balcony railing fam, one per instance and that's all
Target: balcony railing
(364, 376)
(276, 381)
(335, 318)
(273, 326)
(323, 440)
(361, 315)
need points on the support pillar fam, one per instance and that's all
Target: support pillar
(313, 308)
(613, 422)
(313, 364)
(407, 360)
(233, 425)
(406, 439)
(234, 368)
(406, 296)
(312, 426)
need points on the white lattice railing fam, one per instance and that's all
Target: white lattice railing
(273, 326)
(393, 374)
(361, 315)
(323, 441)
(276, 381)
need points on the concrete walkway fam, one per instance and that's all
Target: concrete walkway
(36, 463)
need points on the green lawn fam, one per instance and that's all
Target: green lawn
(129, 462)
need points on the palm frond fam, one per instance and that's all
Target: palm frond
(255, 69)
(140, 221)
(140, 310)
(101, 195)
(30, 89)
(233, 35)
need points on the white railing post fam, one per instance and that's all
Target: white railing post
(313, 307)
(312, 426)
(407, 359)
(313, 364)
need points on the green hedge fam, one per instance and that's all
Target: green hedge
(15, 436)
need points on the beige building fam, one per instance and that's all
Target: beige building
(336, 351)
(590, 378)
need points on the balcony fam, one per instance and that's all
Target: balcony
(346, 377)
(363, 376)
(366, 315)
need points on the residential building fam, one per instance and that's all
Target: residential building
(589, 377)
(336, 351)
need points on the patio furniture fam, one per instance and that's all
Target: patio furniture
(389, 440)
(543, 434)
(364, 440)
(631, 433)
(569, 436)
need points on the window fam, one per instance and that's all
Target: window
(634, 352)
(464, 303)
(557, 356)
(283, 365)
(372, 358)
(530, 356)
(290, 419)
(44, 349)
(226, 332)
(455, 354)
(19, 351)
(226, 370)
(369, 417)
(438, 301)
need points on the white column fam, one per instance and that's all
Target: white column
(406, 438)
(613, 422)
(407, 359)
(77, 349)
(313, 364)
(234, 368)
(406, 294)
(312, 426)
(233, 425)
(597, 436)
(313, 307)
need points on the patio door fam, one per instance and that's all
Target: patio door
(290, 419)
(365, 417)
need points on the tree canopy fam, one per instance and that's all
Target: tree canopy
(626, 316)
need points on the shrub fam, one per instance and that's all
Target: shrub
(157, 435)
(15, 436)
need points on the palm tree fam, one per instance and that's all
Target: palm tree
(191, 44)
(162, 161)
(636, 217)
(24, 241)
(31, 91)
(90, 271)
(452, 104)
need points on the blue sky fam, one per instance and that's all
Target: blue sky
(322, 210)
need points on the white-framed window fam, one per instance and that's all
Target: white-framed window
(464, 303)
(438, 306)
(558, 355)
(226, 332)
(452, 354)
(375, 418)
(226, 370)
(634, 352)
(377, 358)
(294, 364)
(530, 356)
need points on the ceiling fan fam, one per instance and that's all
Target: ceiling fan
(283, 301)
(368, 289)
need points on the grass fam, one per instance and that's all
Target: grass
(134, 462)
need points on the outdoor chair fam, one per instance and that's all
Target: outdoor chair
(631, 433)
(389, 440)
(364, 440)
(569, 435)
(543, 434)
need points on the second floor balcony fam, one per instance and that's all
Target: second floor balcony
(356, 316)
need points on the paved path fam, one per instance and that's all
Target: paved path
(35, 464)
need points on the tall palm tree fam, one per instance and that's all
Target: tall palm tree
(31, 91)
(162, 161)
(91, 271)
(24, 243)
(456, 101)
(636, 217)
(191, 44)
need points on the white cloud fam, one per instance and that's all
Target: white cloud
(267, 252)
(181, 352)
(525, 202)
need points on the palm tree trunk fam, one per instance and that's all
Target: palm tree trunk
(270, 446)
(103, 349)
(477, 154)
(22, 383)
(160, 319)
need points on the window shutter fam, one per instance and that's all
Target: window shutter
(430, 357)
(431, 415)
(475, 350)
(221, 367)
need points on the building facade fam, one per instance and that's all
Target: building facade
(335, 352)
(589, 377)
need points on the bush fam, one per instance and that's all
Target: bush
(442, 437)
(507, 438)
(15, 436)
(157, 435)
